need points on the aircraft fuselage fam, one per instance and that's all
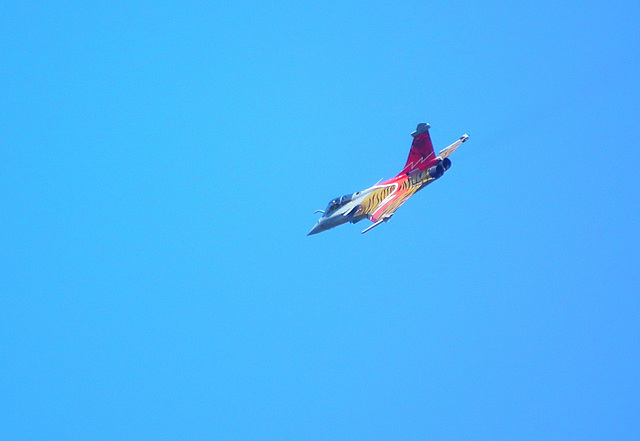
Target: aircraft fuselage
(387, 195)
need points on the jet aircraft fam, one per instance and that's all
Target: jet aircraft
(380, 202)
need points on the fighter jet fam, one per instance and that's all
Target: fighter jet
(380, 202)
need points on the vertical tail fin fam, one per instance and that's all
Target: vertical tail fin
(421, 149)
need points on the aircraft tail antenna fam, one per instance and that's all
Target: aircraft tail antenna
(422, 127)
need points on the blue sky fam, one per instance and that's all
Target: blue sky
(161, 163)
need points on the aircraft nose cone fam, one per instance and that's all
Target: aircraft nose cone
(316, 229)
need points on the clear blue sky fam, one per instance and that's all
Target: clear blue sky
(160, 163)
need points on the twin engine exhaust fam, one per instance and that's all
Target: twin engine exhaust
(438, 170)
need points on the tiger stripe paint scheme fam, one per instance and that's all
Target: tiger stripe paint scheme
(380, 202)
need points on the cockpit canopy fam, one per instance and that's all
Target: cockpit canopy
(337, 203)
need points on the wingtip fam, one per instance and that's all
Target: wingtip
(464, 137)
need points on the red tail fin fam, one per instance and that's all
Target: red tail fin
(421, 154)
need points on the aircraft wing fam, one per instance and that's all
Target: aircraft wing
(386, 199)
(421, 155)
(444, 153)
(385, 210)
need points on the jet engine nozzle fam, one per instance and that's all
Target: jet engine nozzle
(436, 171)
(446, 163)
